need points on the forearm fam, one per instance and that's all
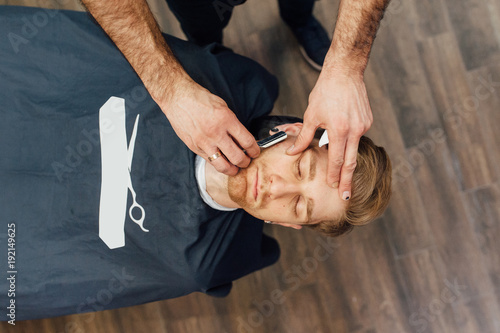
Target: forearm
(357, 24)
(132, 27)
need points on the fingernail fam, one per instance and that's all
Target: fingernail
(345, 195)
(335, 185)
(275, 129)
(290, 149)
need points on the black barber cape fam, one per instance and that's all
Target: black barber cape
(58, 70)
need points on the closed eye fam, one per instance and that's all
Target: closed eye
(296, 205)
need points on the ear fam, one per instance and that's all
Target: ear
(290, 129)
(295, 226)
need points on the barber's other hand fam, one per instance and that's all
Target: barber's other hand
(206, 125)
(339, 104)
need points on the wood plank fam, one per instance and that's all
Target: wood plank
(397, 65)
(476, 315)
(493, 8)
(428, 294)
(474, 32)
(484, 213)
(386, 305)
(429, 18)
(485, 83)
(145, 318)
(456, 104)
(450, 224)
(405, 214)
(462, 263)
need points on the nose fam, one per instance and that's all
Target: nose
(280, 187)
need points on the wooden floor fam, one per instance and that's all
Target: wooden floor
(432, 262)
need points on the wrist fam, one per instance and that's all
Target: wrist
(166, 83)
(336, 79)
(341, 70)
(338, 63)
(177, 91)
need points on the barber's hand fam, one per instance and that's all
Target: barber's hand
(339, 104)
(207, 126)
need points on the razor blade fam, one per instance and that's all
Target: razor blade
(272, 140)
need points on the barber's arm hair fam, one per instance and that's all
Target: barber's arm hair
(355, 30)
(133, 28)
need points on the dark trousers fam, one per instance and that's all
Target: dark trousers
(203, 20)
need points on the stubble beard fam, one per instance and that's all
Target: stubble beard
(237, 188)
(238, 185)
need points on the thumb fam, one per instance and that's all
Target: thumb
(303, 139)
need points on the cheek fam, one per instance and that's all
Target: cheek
(277, 161)
(279, 211)
(273, 212)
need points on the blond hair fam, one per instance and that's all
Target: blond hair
(370, 188)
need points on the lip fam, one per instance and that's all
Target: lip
(255, 187)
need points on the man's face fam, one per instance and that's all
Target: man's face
(290, 190)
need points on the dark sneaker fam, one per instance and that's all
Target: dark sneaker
(314, 42)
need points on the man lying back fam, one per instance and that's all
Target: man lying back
(291, 191)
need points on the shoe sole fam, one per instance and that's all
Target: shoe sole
(309, 60)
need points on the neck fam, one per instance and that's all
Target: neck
(217, 187)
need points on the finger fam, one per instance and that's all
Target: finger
(245, 140)
(303, 140)
(220, 163)
(347, 172)
(336, 150)
(233, 152)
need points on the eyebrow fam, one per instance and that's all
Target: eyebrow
(312, 173)
(312, 164)
(310, 207)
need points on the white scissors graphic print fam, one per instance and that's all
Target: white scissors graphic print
(131, 147)
(116, 180)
